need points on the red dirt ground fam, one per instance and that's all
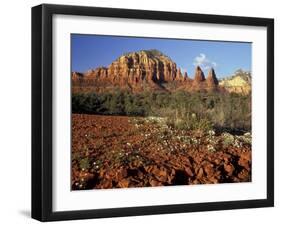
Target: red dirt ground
(120, 151)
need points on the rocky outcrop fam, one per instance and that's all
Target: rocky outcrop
(240, 83)
(200, 83)
(212, 80)
(148, 70)
(76, 76)
(185, 76)
(137, 67)
(100, 72)
(179, 76)
(198, 76)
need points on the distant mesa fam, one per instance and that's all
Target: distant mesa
(240, 82)
(145, 70)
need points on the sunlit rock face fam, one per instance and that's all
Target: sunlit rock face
(240, 82)
(151, 70)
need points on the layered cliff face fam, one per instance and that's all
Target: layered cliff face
(240, 82)
(148, 70)
(137, 67)
(76, 76)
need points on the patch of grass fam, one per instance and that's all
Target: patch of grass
(228, 140)
(84, 163)
(190, 123)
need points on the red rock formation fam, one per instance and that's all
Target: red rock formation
(212, 80)
(143, 66)
(185, 76)
(143, 70)
(76, 76)
(198, 75)
(179, 76)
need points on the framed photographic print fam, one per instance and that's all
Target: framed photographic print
(145, 112)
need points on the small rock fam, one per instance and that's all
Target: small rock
(106, 184)
(189, 171)
(154, 183)
(245, 163)
(229, 168)
(209, 170)
(200, 173)
(124, 183)
(121, 173)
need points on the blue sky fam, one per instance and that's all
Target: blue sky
(91, 51)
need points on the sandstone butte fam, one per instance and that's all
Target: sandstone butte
(146, 70)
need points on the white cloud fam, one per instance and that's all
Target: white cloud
(204, 62)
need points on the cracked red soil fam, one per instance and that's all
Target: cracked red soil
(121, 151)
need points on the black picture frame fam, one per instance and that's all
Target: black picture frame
(42, 111)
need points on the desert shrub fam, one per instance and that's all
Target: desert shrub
(202, 124)
(116, 104)
(135, 105)
(222, 111)
(84, 163)
(190, 123)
